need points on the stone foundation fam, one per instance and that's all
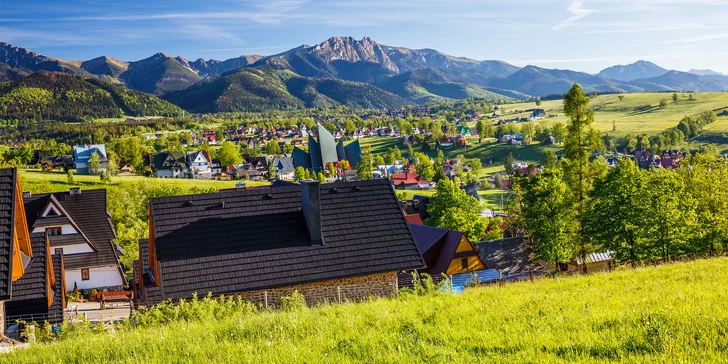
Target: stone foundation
(337, 290)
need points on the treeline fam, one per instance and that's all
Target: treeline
(63, 97)
(579, 206)
(15, 132)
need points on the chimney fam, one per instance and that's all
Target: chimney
(74, 191)
(27, 194)
(241, 186)
(311, 208)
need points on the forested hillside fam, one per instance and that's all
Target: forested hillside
(261, 88)
(58, 96)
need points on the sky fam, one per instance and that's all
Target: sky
(583, 35)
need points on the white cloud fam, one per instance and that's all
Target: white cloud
(701, 38)
(577, 11)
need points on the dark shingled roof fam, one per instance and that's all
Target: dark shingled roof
(244, 240)
(88, 211)
(510, 256)
(7, 221)
(438, 247)
(30, 292)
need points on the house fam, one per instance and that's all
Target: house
(409, 181)
(169, 165)
(537, 114)
(324, 151)
(447, 141)
(338, 241)
(512, 139)
(464, 131)
(82, 155)
(446, 251)
(78, 225)
(284, 167)
(550, 140)
(511, 258)
(16, 252)
(595, 262)
(199, 165)
(40, 294)
(671, 159)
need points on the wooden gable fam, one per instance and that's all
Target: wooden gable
(22, 251)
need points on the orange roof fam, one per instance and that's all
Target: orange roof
(413, 219)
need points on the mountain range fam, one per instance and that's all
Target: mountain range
(368, 74)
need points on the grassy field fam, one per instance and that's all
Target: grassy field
(637, 113)
(672, 313)
(37, 181)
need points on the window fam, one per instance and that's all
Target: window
(52, 231)
(464, 263)
(59, 251)
(84, 274)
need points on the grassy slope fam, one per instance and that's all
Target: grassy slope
(673, 313)
(41, 182)
(633, 114)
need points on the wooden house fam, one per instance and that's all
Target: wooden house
(446, 251)
(338, 241)
(78, 225)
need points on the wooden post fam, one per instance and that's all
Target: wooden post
(609, 266)
(633, 265)
(674, 258)
(654, 261)
(530, 275)
(695, 256)
(265, 293)
(338, 289)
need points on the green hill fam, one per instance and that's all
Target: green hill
(672, 313)
(261, 88)
(59, 96)
(432, 85)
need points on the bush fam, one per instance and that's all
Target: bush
(294, 302)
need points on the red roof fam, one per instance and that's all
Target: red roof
(413, 219)
(407, 179)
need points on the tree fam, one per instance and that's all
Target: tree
(549, 217)
(272, 147)
(451, 208)
(480, 127)
(528, 132)
(424, 167)
(364, 167)
(331, 168)
(229, 154)
(321, 177)
(299, 173)
(666, 194)
(663, 104)
(94, 163)
(621, 97)
(393, 156)
(493, 230)
(558, 131)
(509, 163)
(272, 170)
(675, 98)
(617, 215)
(578, 145)
(69, 177)
(476, 167)
(549, 159)
(379, 160)
(219, 135)
(345, 165)
(288, 148)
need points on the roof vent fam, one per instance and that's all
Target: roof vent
(311, 208)
(268, 196)
(74, 191)
(27, 194)
(189, 203)
(335, 190)
(356, 189)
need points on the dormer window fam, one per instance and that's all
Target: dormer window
(53, 231)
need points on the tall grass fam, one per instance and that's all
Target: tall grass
(671, 313)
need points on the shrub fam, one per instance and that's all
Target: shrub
(294, 302)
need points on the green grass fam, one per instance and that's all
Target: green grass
(672, 313)
(637, 113)
(37, 181)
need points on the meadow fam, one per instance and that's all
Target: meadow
(636, 113)
(670, 313)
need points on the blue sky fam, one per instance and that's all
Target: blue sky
(585, 35)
